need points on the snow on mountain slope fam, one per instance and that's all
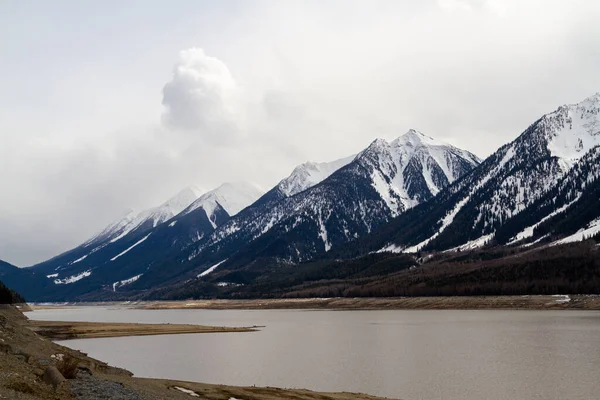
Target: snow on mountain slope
(505, 184)
(379, 183)
(112, 243)
(303, 177)
(309, 174)
(149, 238)
(569, 206)
(572, 130)
(232, 197)
(589, 231)
(413, 168)
(148, 218)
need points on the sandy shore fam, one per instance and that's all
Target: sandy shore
(85, 330)
(25, 357)
(557, 302)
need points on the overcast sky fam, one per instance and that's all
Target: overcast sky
(107, 105)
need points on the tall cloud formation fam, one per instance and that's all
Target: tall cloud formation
(202, 97)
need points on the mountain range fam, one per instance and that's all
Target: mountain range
(402, 200)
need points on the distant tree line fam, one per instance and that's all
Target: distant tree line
(9, 296)
(566, 269)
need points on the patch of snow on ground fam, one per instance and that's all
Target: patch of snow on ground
(562, 298)
(528, 232)
(125, 282)
(79, 259)
(124, 233)
(187, 391)
(390, 248)
(73, 278)
(323, 234)
(535, 241)
(211, 269)
(131, 247)
(473, 244)
(382, 187)
(447, 220)
(590, 231)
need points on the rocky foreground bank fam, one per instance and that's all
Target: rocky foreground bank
(33, 367)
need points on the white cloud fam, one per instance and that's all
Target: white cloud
(456, 5)
(275, 84)
(202, 97)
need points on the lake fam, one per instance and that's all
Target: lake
(424, 354)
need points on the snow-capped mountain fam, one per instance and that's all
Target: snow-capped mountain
(126, 250)
(303, 177)
(379, 183)
(131, 225)
(309, 174)
(413, 168)
(231, 197)
(146, 219)
(468, 213)
(205, 214)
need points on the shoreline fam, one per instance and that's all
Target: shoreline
(527, 302)
(542, 302)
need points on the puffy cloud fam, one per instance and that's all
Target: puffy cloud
(202, 97)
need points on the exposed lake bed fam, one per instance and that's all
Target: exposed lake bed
(416, 354)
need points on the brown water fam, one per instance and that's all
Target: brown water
(446, 355)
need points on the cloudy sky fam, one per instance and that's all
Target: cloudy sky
(112, 105)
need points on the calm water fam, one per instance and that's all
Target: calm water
(446, 355)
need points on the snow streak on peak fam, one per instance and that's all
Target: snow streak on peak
(415, 138)
(309, 174)
(179, 202)
(174, 205)
(572, 130)
(413, 167)
(153, 216)
(232, 197)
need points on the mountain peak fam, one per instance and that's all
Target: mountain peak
(310, 173)
(181, 200)
(233, 197)
(413, 133)
(572, 130)
(376, 145)
(414, 138)
(593, 100)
